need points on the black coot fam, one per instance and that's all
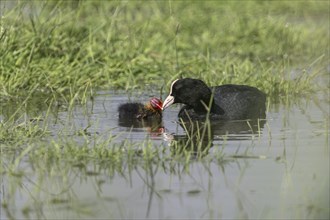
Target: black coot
(230, 102)
(133, 111)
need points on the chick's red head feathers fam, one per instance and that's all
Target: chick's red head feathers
(156, 103)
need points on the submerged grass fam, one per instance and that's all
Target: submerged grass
(54, 166)
(69, 48)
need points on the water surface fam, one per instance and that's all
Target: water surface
(280, 170)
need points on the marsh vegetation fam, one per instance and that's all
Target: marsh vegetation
(66, 66)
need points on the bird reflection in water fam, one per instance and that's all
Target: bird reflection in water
(199, 136)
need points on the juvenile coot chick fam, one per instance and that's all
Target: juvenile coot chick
(228, 102)
(132, 111)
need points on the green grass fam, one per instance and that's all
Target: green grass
(68, 49)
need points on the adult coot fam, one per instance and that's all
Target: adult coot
(132, 111)
(228, 102)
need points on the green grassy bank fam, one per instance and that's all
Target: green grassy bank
(69, 49)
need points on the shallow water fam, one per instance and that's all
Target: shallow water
(280, 172)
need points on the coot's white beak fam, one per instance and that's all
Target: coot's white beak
(168, 101)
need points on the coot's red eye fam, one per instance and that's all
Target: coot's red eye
(156, 103)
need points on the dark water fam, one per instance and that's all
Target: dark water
(280, 170)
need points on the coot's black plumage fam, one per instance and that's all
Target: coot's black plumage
(230, 102)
